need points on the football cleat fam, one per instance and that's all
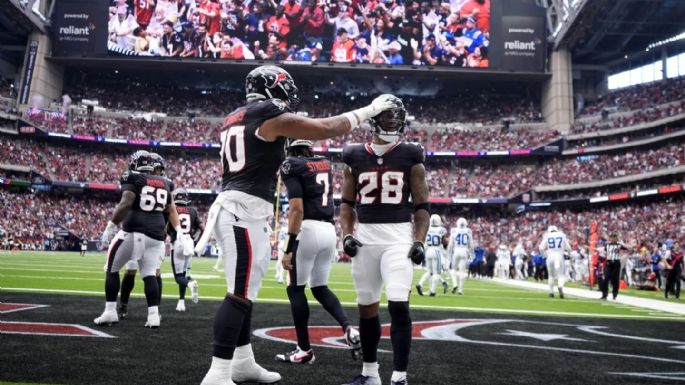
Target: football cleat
(354, 342)
(460, 292)
(454, 290)
(181, 306)
(123, 310)
(297, 356)
(400, 382)
(153, 321)
(561, 293)
(432, 294)
(551, 295)
(248, 371)
(108, 318)
(444, 287)
(194, 294)
(364, 380)
(418, 290)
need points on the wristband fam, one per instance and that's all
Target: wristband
(353, 118)
(422, 206)
(349, 202)
(290, 242)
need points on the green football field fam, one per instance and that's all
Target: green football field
(70, 274)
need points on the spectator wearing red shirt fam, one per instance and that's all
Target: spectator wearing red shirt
(278, 25)
(313, 20)
(293, 12)
(480, 9)
(343, 48)
(210, 15)
(144, 10)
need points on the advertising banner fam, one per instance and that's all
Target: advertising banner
(79, 28)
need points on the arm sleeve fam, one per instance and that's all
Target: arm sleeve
(418, 155)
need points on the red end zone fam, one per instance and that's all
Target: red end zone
(49, 329)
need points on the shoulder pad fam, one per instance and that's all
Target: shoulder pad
(289, 165)
(349, 150)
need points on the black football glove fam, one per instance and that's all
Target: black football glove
(417, 254)
(351, 245)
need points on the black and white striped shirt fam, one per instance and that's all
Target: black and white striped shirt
(613, 251)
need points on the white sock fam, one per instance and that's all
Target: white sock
(183, 301)
(424, 277)
(152, 310)
(370, 369)
(243, 352)
(398, 376)
(111, 306)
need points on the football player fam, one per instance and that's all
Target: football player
(503, 262)
(379, 180)
(84, 247)
(310, 245)
(519, 254)
(436, 240)
(129, 280)
(553, 246)
(182, 253)
(144, 199)
(252, 150)
(461, 248)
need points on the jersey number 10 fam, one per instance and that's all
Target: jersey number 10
(235, 159)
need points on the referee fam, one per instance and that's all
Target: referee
(612, 269)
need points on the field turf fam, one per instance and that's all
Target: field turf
(494, 334)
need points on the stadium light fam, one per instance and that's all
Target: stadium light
(671, 39)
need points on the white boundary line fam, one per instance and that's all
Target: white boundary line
(413, 306)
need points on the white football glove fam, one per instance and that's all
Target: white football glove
(363, 114)
(109, 233)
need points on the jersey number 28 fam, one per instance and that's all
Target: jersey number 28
(391, 183)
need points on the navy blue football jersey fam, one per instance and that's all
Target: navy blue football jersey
(153, 194)
(383, 182)
(310, 179)
(250, 163)
(189, 220)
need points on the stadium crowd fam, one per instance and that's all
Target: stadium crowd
(447, 178)
(394, 32)
(477, 105)
(646, 115)
(638, 97)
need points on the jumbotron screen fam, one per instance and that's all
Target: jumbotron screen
(395, 32)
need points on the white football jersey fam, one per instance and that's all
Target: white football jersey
(554, 243)
(434, 236)
(461, 239)
(504, 255)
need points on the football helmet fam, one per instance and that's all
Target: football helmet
(389, 124)
(299, 142)
(141, 161)
(158, 163)
(462, 223)
(180, 196)
(552, 229)
(435, 220)
(300, 147)
(271, 82)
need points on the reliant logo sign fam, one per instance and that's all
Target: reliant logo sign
(78, 27)
(522, 42)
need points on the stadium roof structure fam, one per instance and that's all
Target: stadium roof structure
(15, 27)
(607, 32)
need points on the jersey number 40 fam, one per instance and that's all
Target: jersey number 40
(391, 183)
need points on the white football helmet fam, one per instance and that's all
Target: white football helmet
(552, 229)
(435, 220)
(502, 247)
(462, 223)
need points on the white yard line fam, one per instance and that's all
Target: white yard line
(414, 306)
(645, 303)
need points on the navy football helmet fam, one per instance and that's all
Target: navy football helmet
(141, 161)
(390, 123)
(271, 82)
(181, 197)
(158, 163)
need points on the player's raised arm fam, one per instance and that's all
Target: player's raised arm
(295, 126)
